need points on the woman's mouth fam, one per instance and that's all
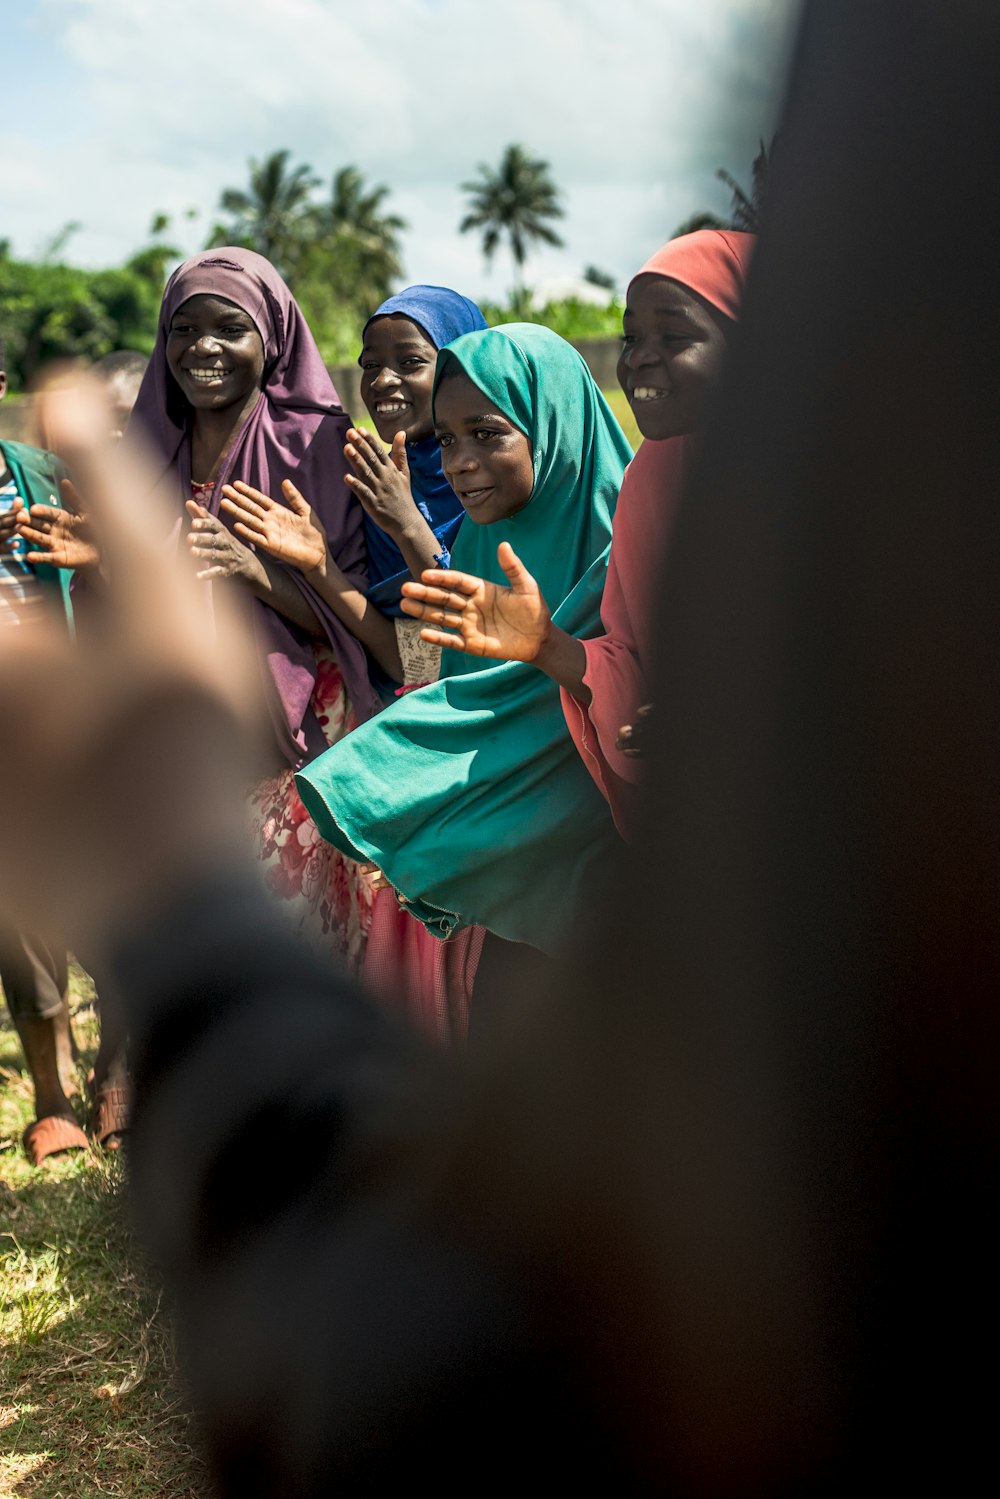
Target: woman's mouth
(208, 377)
(391, 408)
(470, 498)
(643, 393)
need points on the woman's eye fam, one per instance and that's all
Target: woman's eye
(444, 439)
(483, 434)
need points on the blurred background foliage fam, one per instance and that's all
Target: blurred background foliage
(339, 245)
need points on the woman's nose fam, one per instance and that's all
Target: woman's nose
(458, 459)
(385, 379)
(206, 343)
(638, 353)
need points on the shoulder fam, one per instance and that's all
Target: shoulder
(39, 462)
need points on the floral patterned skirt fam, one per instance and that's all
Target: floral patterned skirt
(325, 895)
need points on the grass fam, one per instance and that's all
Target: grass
(618, 402)
(90, 1404)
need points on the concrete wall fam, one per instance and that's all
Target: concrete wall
(601, 355)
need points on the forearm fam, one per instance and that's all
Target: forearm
(274, 587)
(563, 658)
(357, 613)
(418, 544)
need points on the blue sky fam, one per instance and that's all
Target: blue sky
(117, 109)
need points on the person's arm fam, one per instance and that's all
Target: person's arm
(294, 534)
(286, 1203)
(223, 556)
(381, 481)
(465, 613)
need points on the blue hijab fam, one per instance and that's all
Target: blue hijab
(443, 315)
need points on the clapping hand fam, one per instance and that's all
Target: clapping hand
(465, 613)
(60, 537)
(219, 550)
(292, 532)
(381, 480)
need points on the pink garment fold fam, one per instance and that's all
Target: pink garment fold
(713, 263)
(617, 661)
(428, 980)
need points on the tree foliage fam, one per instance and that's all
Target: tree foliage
(60, 311)
(513, 202)
(339, 255)
(271, 214)
(745, 208)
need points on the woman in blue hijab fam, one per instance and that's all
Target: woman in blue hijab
(401, 340)
(411, 513)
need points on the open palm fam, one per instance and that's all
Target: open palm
(465, 613)
(291, 532)
(60, 538)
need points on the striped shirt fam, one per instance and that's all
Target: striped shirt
(21, 595)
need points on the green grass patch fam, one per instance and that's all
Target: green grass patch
(90, 1403)
(618, 401)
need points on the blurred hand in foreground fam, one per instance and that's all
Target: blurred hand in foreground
(132, 743)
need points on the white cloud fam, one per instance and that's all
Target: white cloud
(633, 104)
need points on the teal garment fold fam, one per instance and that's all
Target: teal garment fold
(37, 475)
(469, 793)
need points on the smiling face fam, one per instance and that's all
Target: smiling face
(215, 353)
(397, 377)
(672, 351)
(485, 458)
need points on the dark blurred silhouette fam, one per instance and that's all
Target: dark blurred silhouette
(713, 1219)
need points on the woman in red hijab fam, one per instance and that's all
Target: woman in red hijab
(679, 311)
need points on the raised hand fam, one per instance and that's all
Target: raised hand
(483, 619)
(112, 723)
(60, 538)
(633, 738)
(221, 554)
(292, 532)
(381, 480)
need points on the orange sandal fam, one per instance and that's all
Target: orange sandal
(51, 1135)
(111, 1116)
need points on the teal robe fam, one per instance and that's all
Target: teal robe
(469, 793)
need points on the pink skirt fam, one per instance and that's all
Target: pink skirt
(428, 980)
(324, 894)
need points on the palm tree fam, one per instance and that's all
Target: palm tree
(514, 201)
(747, 207)
(362, 233)
(271, 216)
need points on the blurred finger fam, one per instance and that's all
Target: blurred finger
(70, 494)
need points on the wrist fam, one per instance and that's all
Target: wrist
(318, 573)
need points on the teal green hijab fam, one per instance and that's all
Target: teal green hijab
(469, 794)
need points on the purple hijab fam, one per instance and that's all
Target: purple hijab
(296, 431)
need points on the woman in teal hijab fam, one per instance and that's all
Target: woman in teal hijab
(469, 794)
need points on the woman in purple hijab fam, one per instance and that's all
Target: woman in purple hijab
(237, 390)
